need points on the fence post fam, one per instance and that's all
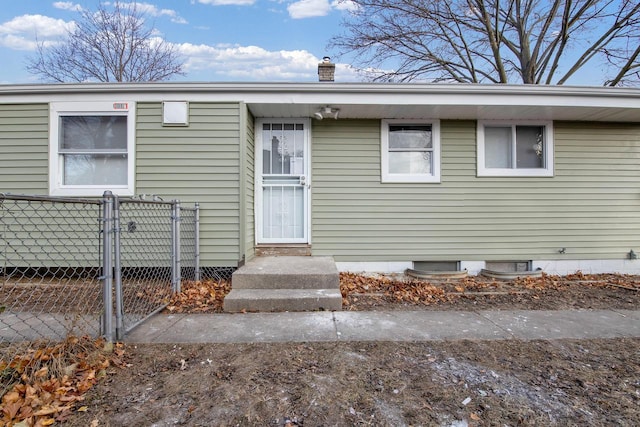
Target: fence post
(117, 269)
(196, 243)
(175, 246)
(107, 266)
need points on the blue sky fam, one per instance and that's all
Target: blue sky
(221, 40)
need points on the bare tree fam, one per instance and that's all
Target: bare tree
(493, 41)
(108, 45)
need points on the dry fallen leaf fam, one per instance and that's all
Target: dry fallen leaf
(199, 297)
(47, 389)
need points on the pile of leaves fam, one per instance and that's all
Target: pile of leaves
(207, 296)
(204, 296)
(405, 290)
(473, 284)
(353, 286)
(45, 383)
(626, 281)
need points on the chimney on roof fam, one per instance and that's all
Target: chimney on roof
(326, 70)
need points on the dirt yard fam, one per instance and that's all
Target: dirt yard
(497, 383)
(457, 383)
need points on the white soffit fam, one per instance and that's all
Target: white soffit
(452, 112)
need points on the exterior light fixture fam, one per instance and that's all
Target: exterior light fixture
(326, 112)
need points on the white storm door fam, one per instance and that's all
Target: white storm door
(282, 188)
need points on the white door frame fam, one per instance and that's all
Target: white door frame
(258, 183)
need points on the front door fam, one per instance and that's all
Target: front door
(282, 181)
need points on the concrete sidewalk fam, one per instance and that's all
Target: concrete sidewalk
(386, 326)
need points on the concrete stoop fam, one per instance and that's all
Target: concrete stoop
(285, 283)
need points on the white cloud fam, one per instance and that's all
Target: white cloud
(347, 5)
(346, 73)
(179, 20)
(247, 62)
(153, 10)
(26, 31)
(67, 5)
(313, 8)
(309, 9)
(253, 63)
(228, 2)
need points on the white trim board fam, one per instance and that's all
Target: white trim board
(473, 267)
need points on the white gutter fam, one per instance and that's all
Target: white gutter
(325, 88)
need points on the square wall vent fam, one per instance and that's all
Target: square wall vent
(175, 113)
(436, 265)
(509, 266)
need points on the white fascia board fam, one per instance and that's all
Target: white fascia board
(287, 92)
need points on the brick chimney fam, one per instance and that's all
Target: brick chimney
(326, 70)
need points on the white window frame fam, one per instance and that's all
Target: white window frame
(434, 177)
(56, 161)
(548, 151)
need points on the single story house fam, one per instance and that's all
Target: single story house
(381, 177)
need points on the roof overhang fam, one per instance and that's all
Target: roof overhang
(366, 100)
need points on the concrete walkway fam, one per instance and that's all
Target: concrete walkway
(386, 326)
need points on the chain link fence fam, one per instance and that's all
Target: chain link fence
(217, 273)
(51, 268)
(88, 267)
(149, 256)
(189, 243)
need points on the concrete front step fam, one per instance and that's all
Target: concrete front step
(282, 300)
(287, 272)
(285, 283)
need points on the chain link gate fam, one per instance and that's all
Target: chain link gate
(148, 260)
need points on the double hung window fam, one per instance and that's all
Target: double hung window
(410, 151)
(91, 148)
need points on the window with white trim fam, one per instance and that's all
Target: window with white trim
(515, 149)
(91, 148)
(410, 151)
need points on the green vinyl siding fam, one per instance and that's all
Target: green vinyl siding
(24, 148)
(249, 169)
(591, 206)
(39, 234)
(196, 163)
